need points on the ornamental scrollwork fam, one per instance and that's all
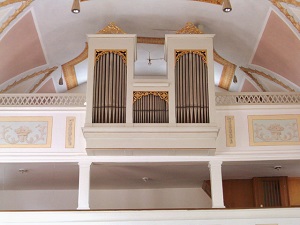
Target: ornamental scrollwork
(137, 95)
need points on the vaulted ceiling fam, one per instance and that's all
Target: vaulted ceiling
(41, 40)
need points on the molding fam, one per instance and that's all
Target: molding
(40, 81)
(18, 11)
(50, 70)
(189, 28)
(285, 12)
(248, 71)
(150, 40)
(227, 72)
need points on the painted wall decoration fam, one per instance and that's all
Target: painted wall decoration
(70, 132)
(25, 132)
(230, 131)
(274, 130)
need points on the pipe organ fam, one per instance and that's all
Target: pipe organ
(125, 111)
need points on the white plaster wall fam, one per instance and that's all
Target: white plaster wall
(105, 199)
(58, 136)
(240, 114)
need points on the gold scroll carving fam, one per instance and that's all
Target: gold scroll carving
(122, 53)
(137, 95)
(189, 28)
(111, 28)
(180, 53)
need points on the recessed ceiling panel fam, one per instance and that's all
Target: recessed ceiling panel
(20, 49)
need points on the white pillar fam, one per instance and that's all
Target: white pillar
(216, 184)
(84, 185)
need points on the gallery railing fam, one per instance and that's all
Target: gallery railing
(79, 99)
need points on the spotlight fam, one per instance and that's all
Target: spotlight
(76, 7)
(226, 6)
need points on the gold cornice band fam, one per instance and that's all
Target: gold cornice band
(24, 5)
(137, 95)
(150, 40)
(69, 68)
(50, 70)
(285, 12)
(122, 53)
(227, 72)
(180, 53)
(248, 71)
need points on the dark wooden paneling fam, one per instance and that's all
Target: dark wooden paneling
(294, 191)
(238, 193)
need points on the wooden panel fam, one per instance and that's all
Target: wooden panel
(270, 192)
(238, 193)
(294, 191)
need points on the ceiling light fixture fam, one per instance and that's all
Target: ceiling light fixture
(23, 171)
(76, 7)
(61, 80)
(234, 79)
(227, 6)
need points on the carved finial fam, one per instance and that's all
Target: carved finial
(111, 28)
(189, 28)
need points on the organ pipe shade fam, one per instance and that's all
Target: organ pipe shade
(191, 89)
(109, 90)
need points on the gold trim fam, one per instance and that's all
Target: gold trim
(69, 69)
(27, 78)
(285, 11)
(24, 5)
(249, 71)
(9, 2)
(227, 72)
(254, 79)
(150, 40)
(201, 53)
(111, 28)
(137, 95)
(40, 81)
(217, 2)
(230, 131)
(189, 28)
(121, 53)
(70, 132)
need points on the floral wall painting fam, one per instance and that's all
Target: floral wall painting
(274, 130)
(25, 132)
